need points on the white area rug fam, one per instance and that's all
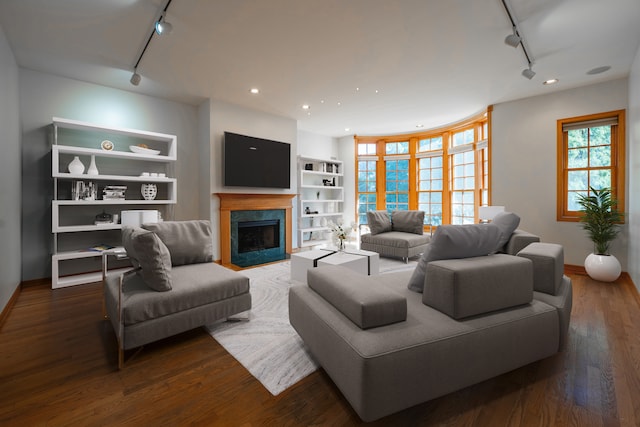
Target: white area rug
(267, 345)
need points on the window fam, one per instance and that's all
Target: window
(443, 172)
(591, 153)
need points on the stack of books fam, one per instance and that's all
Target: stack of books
(114, 192)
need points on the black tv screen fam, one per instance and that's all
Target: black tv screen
(255, 162)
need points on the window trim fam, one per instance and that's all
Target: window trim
(618, 161)
(482, 140)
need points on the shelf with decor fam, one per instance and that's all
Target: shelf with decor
(99, 171)
(320, 199)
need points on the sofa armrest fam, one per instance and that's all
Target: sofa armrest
(519, 240)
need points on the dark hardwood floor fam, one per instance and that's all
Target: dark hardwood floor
(58, 367)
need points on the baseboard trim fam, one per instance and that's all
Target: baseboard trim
(36, 282)
(7, 309)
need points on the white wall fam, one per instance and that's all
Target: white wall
(347, 153)
(43, 96)
(225, 117)
(524, 162)
(633, 172)
(318, 146)
(10, 180)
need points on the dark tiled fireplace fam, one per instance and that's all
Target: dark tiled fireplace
(257, 237)
(265, 221)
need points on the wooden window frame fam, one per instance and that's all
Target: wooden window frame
(618, 145)
(476, 122)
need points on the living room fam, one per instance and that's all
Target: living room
(523, 143)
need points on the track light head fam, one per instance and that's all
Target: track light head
(513, 40)
(135, 78)
(528, 73)
(162, 26)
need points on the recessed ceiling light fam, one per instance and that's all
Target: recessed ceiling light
(550, 81)
(339, 103)
(599, 70)
(305, 107)
(347, 129)
(376, 90)
(255, 90)
(419, 126)
(357, 89)
(322, 101)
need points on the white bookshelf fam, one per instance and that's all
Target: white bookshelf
(320, 197)
(119, 166)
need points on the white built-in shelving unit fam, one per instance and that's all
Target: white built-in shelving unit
(119, 166)
(320, 199)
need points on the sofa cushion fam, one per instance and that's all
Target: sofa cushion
(408, 221)
(378, 221)
(154, 260)
(193, 286)
(507, 222)
(455, 241)
(189, 242)
(365, 300)
(467, 287)
(397, 239)
(548, 266)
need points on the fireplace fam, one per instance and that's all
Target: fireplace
(258, 235)
(254, 228)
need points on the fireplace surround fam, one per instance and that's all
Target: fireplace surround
(239, 205)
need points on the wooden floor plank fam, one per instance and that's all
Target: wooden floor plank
(58, 366)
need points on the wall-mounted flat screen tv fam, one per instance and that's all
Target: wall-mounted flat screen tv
(255, 162)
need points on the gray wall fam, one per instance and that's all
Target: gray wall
(43, 96)
(524, 162)
(10, 182)
(633, 172)
(232, 118)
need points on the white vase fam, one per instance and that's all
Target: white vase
(149, 191)
(76, 167)
(605, 268)
(93, 169)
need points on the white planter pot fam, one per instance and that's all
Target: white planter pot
(605, 268)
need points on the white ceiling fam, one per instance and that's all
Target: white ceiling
(432, 62)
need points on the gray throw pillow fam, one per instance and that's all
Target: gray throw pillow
(408, 221)
(128, 235)
(189, 242)
(154, 259)
(455, 241)
(507, 222)
(378, 221)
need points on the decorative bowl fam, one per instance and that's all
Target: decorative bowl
(140, 150)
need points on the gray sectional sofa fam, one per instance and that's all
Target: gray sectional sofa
(174, 286)
(388, 347)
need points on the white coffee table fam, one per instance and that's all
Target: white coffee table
(363, 262)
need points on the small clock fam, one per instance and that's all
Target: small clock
(106, 145)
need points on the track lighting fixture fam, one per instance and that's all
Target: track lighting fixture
(135, 78)
(162, 26)
(528, 72)
(514, 39)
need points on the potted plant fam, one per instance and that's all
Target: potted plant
(601, 219)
